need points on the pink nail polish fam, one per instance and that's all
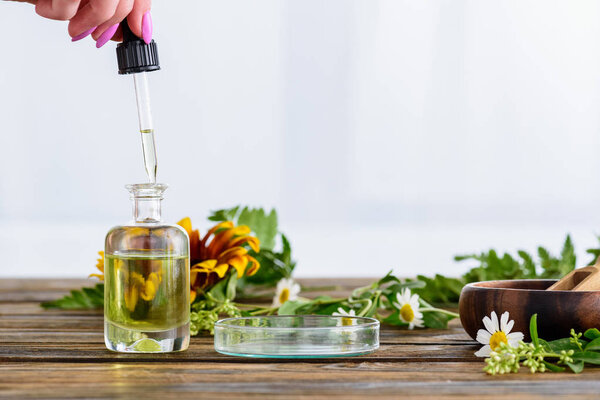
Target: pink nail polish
(147, 27)
(83, 34)
(106, 36)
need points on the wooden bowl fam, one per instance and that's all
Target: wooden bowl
(558, 311)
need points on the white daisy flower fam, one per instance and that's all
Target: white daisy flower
(495, 333)
(343, 313)
(408, 305)
(287, 289)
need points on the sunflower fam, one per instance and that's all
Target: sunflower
(224, 246)
(100, 266)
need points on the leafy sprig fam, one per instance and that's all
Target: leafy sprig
(374, 300)
(490, 265)
(79, 299)
(541, 356)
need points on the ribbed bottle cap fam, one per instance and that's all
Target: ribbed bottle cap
(134, 55)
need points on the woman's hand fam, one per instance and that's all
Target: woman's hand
(100, 18)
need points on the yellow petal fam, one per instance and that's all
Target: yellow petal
(100, 261)
(101, 277)
(206, 265)
(186, 223)
(254, 266)
(239, 263)
(226, 224)
(192, 296)
(221, 269)
(233, 252)
(251, 241)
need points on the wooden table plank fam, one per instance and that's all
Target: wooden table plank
(60, 354)
(337, 379)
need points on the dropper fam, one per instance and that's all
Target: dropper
(136, 57)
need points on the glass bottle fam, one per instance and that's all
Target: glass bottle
(147, 279)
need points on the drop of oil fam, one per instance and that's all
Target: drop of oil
(149, 149)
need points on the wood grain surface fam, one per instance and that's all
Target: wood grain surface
(60, 354)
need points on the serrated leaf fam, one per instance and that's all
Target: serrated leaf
(262, 224)
(79, 299)
(228, 214)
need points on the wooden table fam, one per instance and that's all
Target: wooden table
(61, 354)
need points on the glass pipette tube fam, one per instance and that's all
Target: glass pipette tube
(142, 97)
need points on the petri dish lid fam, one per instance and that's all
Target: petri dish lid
(297, 336)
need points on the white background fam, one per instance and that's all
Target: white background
(388, 134)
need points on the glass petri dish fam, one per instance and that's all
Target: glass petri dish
(297, 336)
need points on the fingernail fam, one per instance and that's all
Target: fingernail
(147, 27)
(83, 34)
(106, 36)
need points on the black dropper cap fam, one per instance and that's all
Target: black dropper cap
(134, 55)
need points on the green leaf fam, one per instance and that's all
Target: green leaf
(592, 334)
(576, 367)
(218, 291)
(80, 299)
(558, 345)
(553, 367)
(528, 264)
(593, 345)
(394, 319)
(533, 332)
(291, 307)
(388, 278)
(231, 285)
(435, 320)
(262, 224)
(589, 357)
(224, 215)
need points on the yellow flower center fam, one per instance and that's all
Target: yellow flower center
(496, 339)
(347, 321)
(407, 313)
(284, 295)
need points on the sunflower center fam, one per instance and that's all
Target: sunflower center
(284, 296)
(496, 339)
(407, 313)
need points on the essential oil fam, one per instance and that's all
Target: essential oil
(147, 280)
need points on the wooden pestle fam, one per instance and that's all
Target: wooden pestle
(580, 279)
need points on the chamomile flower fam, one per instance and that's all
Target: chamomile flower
(343, 313)
(496, 333)
(286, 290)
(408, 307)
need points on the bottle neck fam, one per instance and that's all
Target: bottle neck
(146, 210)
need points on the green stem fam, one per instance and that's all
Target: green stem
(440, 310)
(267, 311)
